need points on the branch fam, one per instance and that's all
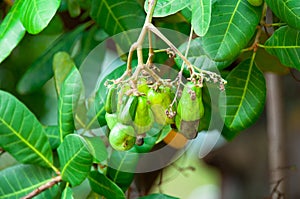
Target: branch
(42, 188)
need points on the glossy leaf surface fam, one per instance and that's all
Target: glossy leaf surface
(69, 86)
(11, 31)
(36, 14)
(201, 16)
(233, 24)
(75, 159)
(19, 180)
(245, 96)
(21, 133)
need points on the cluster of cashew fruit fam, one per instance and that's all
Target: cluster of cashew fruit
(131, 113)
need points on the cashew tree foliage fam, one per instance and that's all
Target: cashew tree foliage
(228, 44)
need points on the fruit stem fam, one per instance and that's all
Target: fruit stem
(187, 51)
(170, 44)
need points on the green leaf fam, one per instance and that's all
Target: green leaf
(158, 196)
(63, 64)
(41, 70)
(288, 11)
(21, 133)
(69, 86)
(11, 31)
(19, 180)
(167, 7)
(104, 186)
(245, 96)
(36, 14)
(97, 148)
(233, 23)
(52, 133)
(116, 16)
(201, 16)
(285, 44)
(75, 159)
(121, 168)
(187, 13)
(67, 193)
(198, 58)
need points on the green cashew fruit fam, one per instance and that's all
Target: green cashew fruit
(111, 119)
(256, 2)
(189, 110)
(142, 86)
(160, 101)
(143, 120)
(127, 111)
(122, 137)
(111, 100)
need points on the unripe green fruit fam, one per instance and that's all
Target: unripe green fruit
(111, 119)
(143, 86)
(189, 111)
(143, 119)
(255, 2)
(111, 100)
(127, 110)
(159, 102)
(122, 137)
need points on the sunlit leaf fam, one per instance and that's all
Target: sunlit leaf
(288, 11)
(21, 133)
(201, 16)
(104, 186)
(245, 96)
(285, 44)
(17, 181)
(167, 7)
(75, 159)
(11, 31)
(36, 14)
(233, 23)
(69, 86)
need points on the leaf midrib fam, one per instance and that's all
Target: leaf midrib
(244, 92)
(28, 144)
(229, 25)
(26, 189)
(71, 160)
(13, 11)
